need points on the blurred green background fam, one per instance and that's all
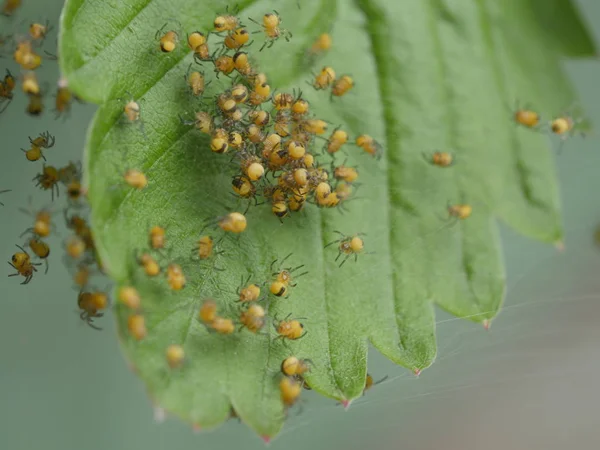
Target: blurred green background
(528, 383)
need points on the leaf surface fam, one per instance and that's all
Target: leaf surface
(430, 75)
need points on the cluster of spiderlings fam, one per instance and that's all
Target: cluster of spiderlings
(278, 145)
(273, 136)
(251, 315)
(284, 155)
(80, 256)
(21, 261)
(26, 50)
(80, 251)
(275, 140)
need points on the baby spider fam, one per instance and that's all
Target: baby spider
(135, 179)
(242, 64)
(195, 81)
(253, 318)
(321, 44)
(290, 390)
(75, 191)
(7, 85)
(21, 262)
(197, 42)
(43, 141)
(42, 225)
(224, 64)
(336, 140)
(130, 297)
(283, 277)
(567, 125)
(244, 189)
(348, 245)
(38, 31)
(80, 226)
(35, 107)
(440, 159)
(342, 85)
(136, 324)
(26, 56)
(272, 30)
(324, 78)
(175, 356)
(48, 179)
(369, 145)
(175, 277)
(227, 22)
(205, 247)
(222, 325)
(234, 222)
(156, 237)
(369, 383)
(236, 39)
(63, 99)
(248, 292)
(289, 329)
(30, 84)
(526, 117)
(75, 247)
(82, 275)
(345, 173)
(167, 41)
(208, 312)
(150, 266)
(40, 249)
(460, 211)
(132, 112)
(90, 304)
(295, 367)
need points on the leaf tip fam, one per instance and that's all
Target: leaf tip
(486, 324)
(266, 439)
(559, 245)
(346, 404)
(196, 428)
(417, 372)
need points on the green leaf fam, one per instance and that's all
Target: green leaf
(429, 75)
(559, 21)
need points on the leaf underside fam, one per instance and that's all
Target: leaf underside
(430, 74)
